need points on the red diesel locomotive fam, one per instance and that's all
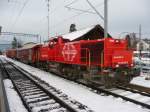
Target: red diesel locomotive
(103, 61)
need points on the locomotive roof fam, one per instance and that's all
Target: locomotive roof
(90, 33)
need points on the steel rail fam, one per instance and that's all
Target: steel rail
(102, 90)
(60, 101)
(134, 90)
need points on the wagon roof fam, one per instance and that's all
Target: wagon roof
(29, 46)
(90, 33)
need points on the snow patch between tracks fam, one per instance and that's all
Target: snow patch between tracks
(14, 100)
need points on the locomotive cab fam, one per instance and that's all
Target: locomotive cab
(108, 61)
(118, 58)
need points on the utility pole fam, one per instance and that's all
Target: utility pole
(140, 30)
(105, 18)
(140, 41)
(0, 29)
(140, 48)
(48, 18)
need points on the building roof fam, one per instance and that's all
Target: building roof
(90, 33)
(76, 34)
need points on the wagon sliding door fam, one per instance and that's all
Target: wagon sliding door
(37, 54)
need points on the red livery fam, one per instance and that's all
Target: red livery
(104, 53)
(100, 60)
(11, 53)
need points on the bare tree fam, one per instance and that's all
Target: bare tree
(128, 40)
(16, 43)
(132, 40)
(0, 52)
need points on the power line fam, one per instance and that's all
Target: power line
(61, 6)
(74, 16)
(81, 10)
(95, 10)
(21, 11)
(65, 20)
(68, 6)
(57, 8)
(71, 3)
(105, 18)
(13, 9)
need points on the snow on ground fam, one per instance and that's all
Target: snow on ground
(140, 80)
(96, 102)
(145, 64)
(14, 100)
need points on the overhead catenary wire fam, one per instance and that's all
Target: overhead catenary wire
(64, 20)
(105, 18)
(68, 6)
(71, 3)
(58, 7)
(13, 9)
(20, 13)
(74, 16)
(71, 8)
(95, 10)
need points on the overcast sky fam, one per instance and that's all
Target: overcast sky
(123, 16)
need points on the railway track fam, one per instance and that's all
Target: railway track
(131, 94)
(38, 96)
(138, 88)
(126, 93)
(140, 98)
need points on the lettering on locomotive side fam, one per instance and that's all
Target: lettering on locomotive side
(69, 52)
(124, 62)
(44, 56)
(118, 57)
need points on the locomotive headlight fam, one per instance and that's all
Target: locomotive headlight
(117, 66)
(117, 41)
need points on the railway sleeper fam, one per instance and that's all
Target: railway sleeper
(37, 100)
(27, 93)
(45, 102)
(35, 96)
